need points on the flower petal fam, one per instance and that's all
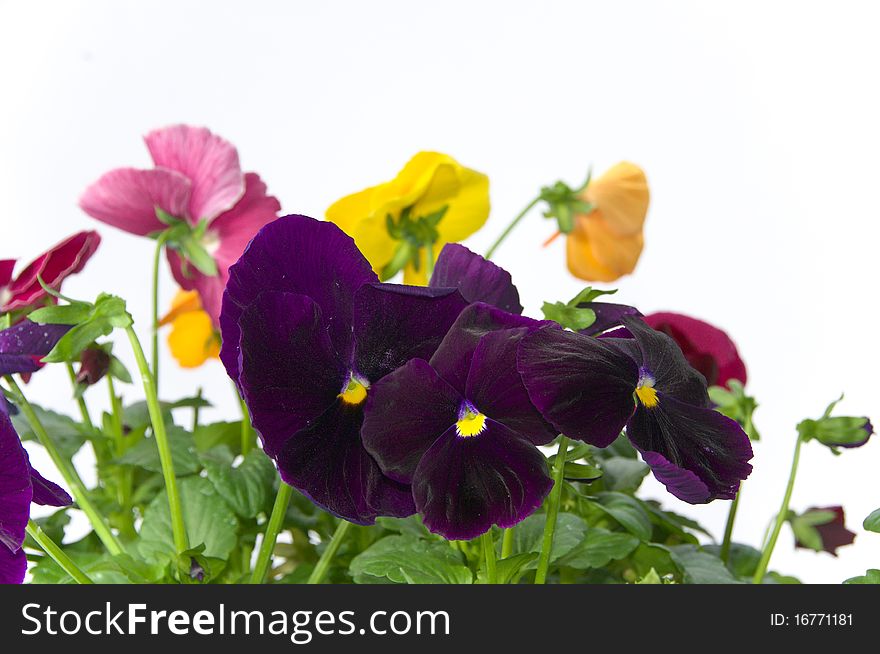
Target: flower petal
(452, 361)
(608, 316)
(127, 198)
(15, 488)
(208, 161)
(47, 493)
(289, 372)
(54, 266)
(708, 349)
(193, 340)
(495, 387)
(833, 533)
(581, 385)
(227, 237)
(405, 413)
(13, 566)
(616, 253)
(662, 357)
(393, 324)
(6, 268)
(690, 439)
(328, 463)
(299, 255)
(478, 279)
(622, 195)
(23, 344)
(464, 485)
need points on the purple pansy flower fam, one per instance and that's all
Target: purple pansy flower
(20, 485)
(478, 279)
(608, 317)
(591, 388)
(461, 429)
(307, 331)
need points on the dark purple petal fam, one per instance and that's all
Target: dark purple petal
(464, 485)
(298, 255)
(701, 441)
(582, 385)
(328, 463)
(405, 413)
(395, 323)
(478, 280)
(289, 371)
(13, 566)
(24, 344)
(608, 316)
(47, 493)
(708, 349)
(663, 359)
(834, 533)
(452, 361)
(15, 488)
(496, 389)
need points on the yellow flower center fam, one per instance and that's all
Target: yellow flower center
(646, 393)
(355, 392)
(471, 423)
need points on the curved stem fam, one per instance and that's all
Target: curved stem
(728, 528)
(80, 400)
(248, 437)
(68, 472)
(511, 227)
(57, 554)
(154, 327)
(323, 564)
(507, 543)
(177, 527)
(489, 554)
(780, 517)
(276, 520)
(552, 512)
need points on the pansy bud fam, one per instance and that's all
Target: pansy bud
(837, 431)
(821, 529)
(93, 365)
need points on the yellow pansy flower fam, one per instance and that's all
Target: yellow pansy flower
(193, 338)
(606, 242)
(433, 200)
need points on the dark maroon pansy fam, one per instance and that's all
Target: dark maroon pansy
(461, 429)
(833, 533)
(20, 485)
(94, 363)
(590, 389)
(307, 331)
(478, 279)
(707, 349)
(65, 259)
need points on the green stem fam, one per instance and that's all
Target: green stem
(511, 226)
(123, 475)
(323, 564)
(728, 529)
(68, 472)
(429, 261)
(196, 408)
(552, 512)
(273, 528)
(780, 517)
(57, 554)
(507, 543)
(489, 553)
(80, 400)
(177, 527)
(154, 327)
(248, 437)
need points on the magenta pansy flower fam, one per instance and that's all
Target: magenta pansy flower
(707, 349)
(23, 291)
(196, 179)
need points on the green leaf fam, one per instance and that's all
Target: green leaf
(510, 569)
(412, 526)
(101, 568)
(117, 370)
(872, 576)
(599, 548)
(145, 454)
(410, 560)
(197, 255)
(247, 488)
(742, 560)
(653, 556)
(68, 314)
(218, 433)
(651, 578)
(627, 511)
(209, 522)
(735, 404)
(700, 567)
(573, 318)
(67, 435)
(623, 474)
(528, 535)
(872, 522)
(581, 472)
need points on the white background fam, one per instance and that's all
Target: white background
(757, 124)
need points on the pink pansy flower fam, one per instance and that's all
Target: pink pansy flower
(53, 266)
(197, 178)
